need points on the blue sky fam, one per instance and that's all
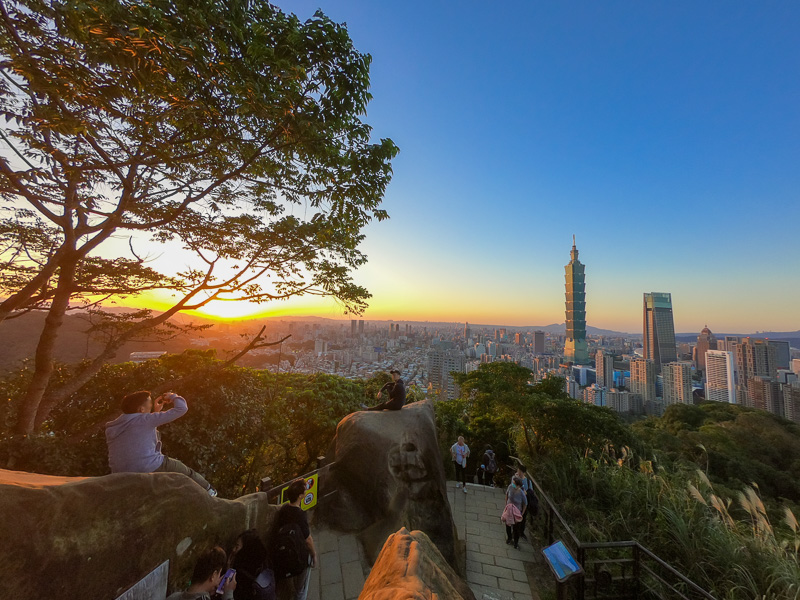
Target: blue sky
(665, 135)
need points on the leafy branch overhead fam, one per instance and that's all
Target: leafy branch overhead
(229, 128)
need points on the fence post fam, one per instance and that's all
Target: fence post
(637, 557)
(265, 485)
(581, 577)
(320, 461)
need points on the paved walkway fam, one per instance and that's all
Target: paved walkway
(495, 570)
(342, 568)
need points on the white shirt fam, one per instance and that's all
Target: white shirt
(460, 453)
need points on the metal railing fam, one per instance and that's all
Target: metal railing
(616, 570)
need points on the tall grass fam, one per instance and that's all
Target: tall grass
(727, 546)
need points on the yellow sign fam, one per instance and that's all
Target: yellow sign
(309, 500)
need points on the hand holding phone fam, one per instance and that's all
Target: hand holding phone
(229, 577)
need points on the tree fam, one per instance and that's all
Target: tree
(228, 126)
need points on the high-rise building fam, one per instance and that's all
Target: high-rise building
(538, 342)
(353, 325)
(729, 343)
(659, 329)
(441, 363)
(467, 331)
(594, 394)
(361, 326)
(643, 379)
(519, 339)
(604, 365)
(576, 349)
(705, 342)
(624, 401)
(764, 393)
(677, 383)
(755, 358)
(720, 382)
(783, 353)
(791, 401)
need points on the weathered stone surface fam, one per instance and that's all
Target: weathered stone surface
(389, 475)
(410, 567)
(65, 537)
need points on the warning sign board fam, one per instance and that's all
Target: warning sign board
(309, 500)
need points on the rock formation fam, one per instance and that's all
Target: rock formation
(410, 567)
(389, 474)
(71, 537)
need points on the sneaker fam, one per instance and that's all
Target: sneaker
(364, 406)
(522, 536)
(465, 489)
(212, 492)
(458, 485)
(508, 542)
(516, 546)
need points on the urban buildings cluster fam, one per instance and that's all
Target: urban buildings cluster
(630, 373)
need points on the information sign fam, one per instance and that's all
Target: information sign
(561, 561)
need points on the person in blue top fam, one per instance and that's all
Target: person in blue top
(134, 444)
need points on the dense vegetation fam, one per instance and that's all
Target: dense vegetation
(242, 424)
(711, 489)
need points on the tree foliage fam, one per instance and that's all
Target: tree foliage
(242, 424)
(227, 127)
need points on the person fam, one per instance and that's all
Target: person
(291, 513)
(395, 389)
(134, 443)
(247, 557)
(460, 452)
(522, 474)
(206, 578)
(488, 467)
(516, 495)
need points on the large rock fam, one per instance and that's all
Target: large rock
(70, 537)
(410, 567)
(389, 474)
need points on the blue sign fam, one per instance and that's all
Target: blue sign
(561, 561)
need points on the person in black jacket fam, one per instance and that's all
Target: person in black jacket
(396, 390)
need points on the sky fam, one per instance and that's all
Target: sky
(664, 135)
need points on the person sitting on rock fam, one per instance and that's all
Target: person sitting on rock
(397, 394)
(134, 444)
(206, 578)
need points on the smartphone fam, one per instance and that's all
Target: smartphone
(225, 579)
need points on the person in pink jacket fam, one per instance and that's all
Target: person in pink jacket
(134, 444)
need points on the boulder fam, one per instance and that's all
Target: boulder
(410, 567)
(94, 537)
(389, 474)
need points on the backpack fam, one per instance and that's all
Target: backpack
(533, 501)
(264, 586)
(291, 552)
(492, 466)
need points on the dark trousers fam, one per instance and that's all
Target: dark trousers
(461, 474)
(485, 477)
(515, 531)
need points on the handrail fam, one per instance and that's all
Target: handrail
(637, 548)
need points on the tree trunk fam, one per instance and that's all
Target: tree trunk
(43, 369)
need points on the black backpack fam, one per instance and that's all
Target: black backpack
(533, 501)
(291, 553)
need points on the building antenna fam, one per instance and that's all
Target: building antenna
(573, 239)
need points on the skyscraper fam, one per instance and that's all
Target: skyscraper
(705, 342)
(783, 353)
(755, 358)
(643, 379)
(538, 342)
(677, 383)
(353, 325)
(467, 331)
(604, 365)
(720, 386)
(659, 329)
(575, 348)
(361, 326)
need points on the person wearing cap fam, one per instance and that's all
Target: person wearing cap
(396, 391)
